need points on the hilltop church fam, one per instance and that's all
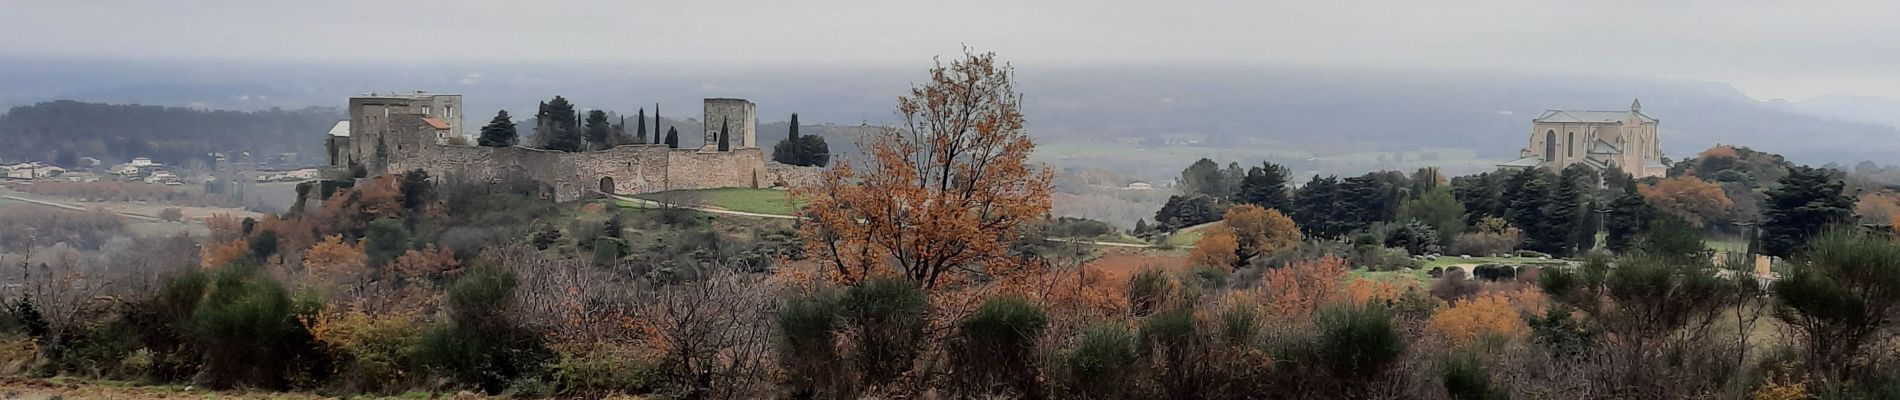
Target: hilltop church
(1601, 140)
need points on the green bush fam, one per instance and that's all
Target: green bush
(1415, 237)
(21, 317)
(1357, 341)
(1101, 362)
(1148, 290)
(1377, 258)
(807, 324)
(1466, 378)
(249, 330)
(1239, 323)
(998, 345)
(1846, 289)
(385, 240)
(481, 345)
(1172, 341)
(888, 314)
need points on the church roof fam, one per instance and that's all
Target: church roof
(1523, 162)
(342, 128)
(1591, 117)
(1602, 147)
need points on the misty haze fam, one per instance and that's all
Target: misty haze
(984, 199)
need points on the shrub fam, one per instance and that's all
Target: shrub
(1489, 316)
(371, 353)
(1239, 323)
(172, 214)
(481, 345)
(248, 327)
(1171, 340)
(1357, 342)
(807, 325)
(385, 240)
(998, 345)
(21, 317)
(1494, 272)
(1416, 238)
(1148, 290)
(602, 370)
(1373, 257)
(888, 315)
(1847, 288)
(1482, 244)
(1101, 362)
(1466, 378)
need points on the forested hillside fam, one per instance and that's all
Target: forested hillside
(61, 131)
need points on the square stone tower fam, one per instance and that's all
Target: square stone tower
(738, 115)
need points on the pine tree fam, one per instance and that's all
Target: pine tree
(1563, 213)
(1808, 200)
(1313, 207)
(599, 132)
(558, 126)
(1626, 221)
(1527, 193)
(725, 140)
(500, 131)
(1265, 186)
(640, 135)
(672, 137)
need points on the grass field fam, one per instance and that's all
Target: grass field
(763, 201)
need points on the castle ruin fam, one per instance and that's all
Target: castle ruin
(395, 133)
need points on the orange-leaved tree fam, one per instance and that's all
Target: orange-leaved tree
(1298, 289)
(943, 192)
(1217, 248)
(1260, 231)
(1686, 197)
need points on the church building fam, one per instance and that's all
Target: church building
(1624, 140)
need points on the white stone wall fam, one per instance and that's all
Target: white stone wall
(739, 114)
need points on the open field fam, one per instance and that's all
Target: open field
(763, 201)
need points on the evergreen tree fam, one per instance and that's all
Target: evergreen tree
(556, 125)
(1203, 177)
(500, 131)
(640, 135)
(1436, 208)
(813, 151)
(1313, 207)
(1628, 213)
(1563, 213)
(656, 126)
(672, 137)
(1141, 226)
(1586, 235)
(1807, 200)
(788, 151)
(599, 131)
(1183, 211)
(725, 140)
(1482, 195)
(1528, 193)
(1265, 186)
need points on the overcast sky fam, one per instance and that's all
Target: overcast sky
(1788, 49)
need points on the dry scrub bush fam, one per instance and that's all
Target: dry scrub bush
(1298, 289)
(371, 353)
(713, 335)
(1486, 316)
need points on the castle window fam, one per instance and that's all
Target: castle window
(1570, 145)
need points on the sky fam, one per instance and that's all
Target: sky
(1768, 49)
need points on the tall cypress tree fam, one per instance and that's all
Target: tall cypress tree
(656, 125)
(640, 134)
(725, 141)
(793, 136)
(672, 137)
(500, 131)
(1808, 200)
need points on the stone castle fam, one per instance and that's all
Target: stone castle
(395, 133)
(1601, 140)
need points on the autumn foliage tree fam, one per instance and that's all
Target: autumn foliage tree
(1686, 197)
(943, 191)
(1248, 231)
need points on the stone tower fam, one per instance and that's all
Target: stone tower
(738, 115)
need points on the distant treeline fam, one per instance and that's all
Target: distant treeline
(63, 131)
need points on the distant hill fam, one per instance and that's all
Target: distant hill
(1869, 109)
(1303, 110)
(63, 130)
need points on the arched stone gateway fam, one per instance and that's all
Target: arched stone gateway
(607, 185)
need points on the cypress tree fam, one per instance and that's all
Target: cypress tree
(725, 141)
(641, 133)
(672, 137)
(793, 136)
(656, 125)
(500, 131)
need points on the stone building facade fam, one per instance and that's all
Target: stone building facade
(1624, 140)
(387, 137)
(735, 114)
